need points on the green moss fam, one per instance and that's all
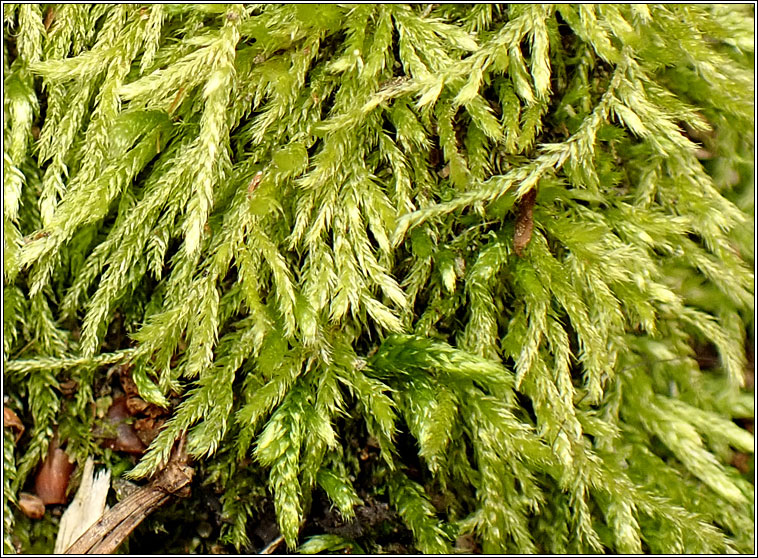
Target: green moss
(295, 226)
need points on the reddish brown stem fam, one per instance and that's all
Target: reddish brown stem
(524, 222)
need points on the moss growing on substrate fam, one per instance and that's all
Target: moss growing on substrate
(440, 268)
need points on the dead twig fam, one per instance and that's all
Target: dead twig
(105, 536)
(524, 222)
(272, 545)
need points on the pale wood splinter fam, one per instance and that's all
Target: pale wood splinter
(115, 525)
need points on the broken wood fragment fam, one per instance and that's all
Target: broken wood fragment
(88, 505)
(105, 536)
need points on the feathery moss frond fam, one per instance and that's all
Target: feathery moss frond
(450, 269)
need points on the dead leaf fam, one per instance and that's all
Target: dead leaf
(52, 479)
(11, 420)
(31, 505)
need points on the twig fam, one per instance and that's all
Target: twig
(22, 349)
(272, 545)
(105, 536)
(524, 222)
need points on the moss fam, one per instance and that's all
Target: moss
(452, 259)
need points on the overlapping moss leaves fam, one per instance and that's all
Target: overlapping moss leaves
(303, 215)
